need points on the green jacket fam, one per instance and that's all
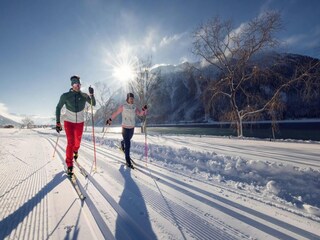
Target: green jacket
(75, 103)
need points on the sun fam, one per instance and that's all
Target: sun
(124, 72)
(123, 63)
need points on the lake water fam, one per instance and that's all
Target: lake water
(286, 130)
(309, 130)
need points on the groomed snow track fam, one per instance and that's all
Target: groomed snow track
(151, 202)
(164, 196)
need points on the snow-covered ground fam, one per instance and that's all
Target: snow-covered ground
(187, 187)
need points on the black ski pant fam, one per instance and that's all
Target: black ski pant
(127, 134)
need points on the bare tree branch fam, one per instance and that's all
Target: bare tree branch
(232, 51)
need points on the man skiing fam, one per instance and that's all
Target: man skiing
(75, 102)
(129, 112)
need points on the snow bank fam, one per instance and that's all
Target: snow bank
(293, 184)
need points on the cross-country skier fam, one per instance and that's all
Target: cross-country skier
(75, 102)
(129, 112)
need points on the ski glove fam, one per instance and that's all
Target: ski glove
(58, 127)
(145, 107)
(109, 121)
(91, 91)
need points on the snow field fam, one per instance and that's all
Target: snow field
(191, 188)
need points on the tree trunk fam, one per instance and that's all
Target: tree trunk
(237, 115)
(143, 126)
(240, 127)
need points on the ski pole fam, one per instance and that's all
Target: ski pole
(94, 141)
(105, 131)
(145, 141)
(55, 147)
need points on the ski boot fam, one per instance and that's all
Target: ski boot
(75, 156)
(129, 164)
(70, 171)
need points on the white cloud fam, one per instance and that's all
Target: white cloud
(184, 59)
(240, 29)
(294, 39)
(171, 39)
(302, 41)
(159, 65)
(235, 32)
(148, 44)
(149, 41)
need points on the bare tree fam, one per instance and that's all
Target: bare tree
(145, 84)
(27, 122)
(232, 51)
(105, 101)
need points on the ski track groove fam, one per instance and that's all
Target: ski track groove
(19, 192)
(15, 190)
(272, 230)
(207, 216)
(177, 215)
(6, 203)
(203, 216)
(189, 226)
(24, 184)
(35, 208)
(105, 230)
(25, 196)
(184, 216)
(164, 206)
(236, 232)
(233, 209)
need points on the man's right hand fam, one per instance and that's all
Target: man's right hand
(109, 121)
(58, 127)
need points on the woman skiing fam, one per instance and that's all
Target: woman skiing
(129, 112)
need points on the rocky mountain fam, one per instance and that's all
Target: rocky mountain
(182, 99)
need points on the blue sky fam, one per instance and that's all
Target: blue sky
(43, 43)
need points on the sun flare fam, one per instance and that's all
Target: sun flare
(124, 72)
(122, 63)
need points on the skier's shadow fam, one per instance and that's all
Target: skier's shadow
(11, 222)
(135, 223)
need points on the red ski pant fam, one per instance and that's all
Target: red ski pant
(74, 134)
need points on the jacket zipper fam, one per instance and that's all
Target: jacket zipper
(76, 107)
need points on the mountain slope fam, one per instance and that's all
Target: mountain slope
(183, 95)
(6, 121)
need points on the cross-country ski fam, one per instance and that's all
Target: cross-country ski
(74, 181)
